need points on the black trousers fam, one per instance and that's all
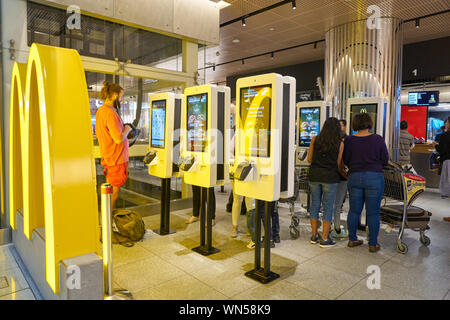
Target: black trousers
(196, 201)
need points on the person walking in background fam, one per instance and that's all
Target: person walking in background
(325, 157)
(365, 154)
(405, 146)
(443, 148)
(341, 194)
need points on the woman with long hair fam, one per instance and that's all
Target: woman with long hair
(325, 157)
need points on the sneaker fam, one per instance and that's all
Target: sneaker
(341, 235)
(251, 245)
(272, 244)
(234, 232)
(276, 239)
(191, 220)
(315, 239)
(327, 243)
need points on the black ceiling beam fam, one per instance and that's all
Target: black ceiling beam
(428, 15)
(254, 13)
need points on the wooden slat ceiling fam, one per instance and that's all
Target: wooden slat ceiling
(283, 27)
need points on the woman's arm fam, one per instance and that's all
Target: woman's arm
(384, 153)
(311, 150)
(340, 161)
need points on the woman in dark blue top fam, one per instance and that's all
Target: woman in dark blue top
(365, 154)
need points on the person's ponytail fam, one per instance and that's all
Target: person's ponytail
(109, 89)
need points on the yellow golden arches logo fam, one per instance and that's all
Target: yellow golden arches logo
(363, 110)
(52, 155)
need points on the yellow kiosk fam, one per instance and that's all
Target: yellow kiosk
(204, 145)
(265, 151)
(163, 156)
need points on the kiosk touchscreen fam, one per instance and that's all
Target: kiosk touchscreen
(165, 118)
(376, 107)
(204, 144)
(265, 139)
(311, 116)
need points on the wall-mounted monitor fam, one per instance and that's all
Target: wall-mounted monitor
(197, 122)
(370, 108)
(423, 98)
(309, 125)
(158, 122)
(255, 114)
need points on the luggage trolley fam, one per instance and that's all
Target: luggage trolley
(404, 187)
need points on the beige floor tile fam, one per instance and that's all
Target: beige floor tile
(144, 273)
(12, 280)
(26, 294)
(362, 292)
(122, 255)
(185, 287)
(322, 279)
(416, 281)
(278, 290)
(7, 260)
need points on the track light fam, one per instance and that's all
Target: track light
(243, 61)
(294, 5)
(417, 23)
(315, 45)
(214, 67)
(272, 55)
(243, 22)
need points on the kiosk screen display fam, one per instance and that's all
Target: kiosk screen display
(197, 122)
(255, 111)
(158, 132)
(371, 109)
(309, 125)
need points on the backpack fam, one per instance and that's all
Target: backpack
(127, 227)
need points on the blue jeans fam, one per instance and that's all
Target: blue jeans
(341, 193)
(365, 188)
(322, 193)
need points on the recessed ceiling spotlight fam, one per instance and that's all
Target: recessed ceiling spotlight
(236, 41)
(271, 28)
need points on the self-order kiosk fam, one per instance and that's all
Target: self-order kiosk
(376, 107)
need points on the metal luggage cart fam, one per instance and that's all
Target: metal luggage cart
(404, 188)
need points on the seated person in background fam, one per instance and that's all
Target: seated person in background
(444, 169)
(405, 146)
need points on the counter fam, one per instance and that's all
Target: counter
(420, 160)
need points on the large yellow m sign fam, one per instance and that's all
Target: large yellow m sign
(52, 169)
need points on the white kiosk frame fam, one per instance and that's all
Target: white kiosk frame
(325, 113)
(382, 122)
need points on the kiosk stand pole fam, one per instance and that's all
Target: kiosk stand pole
(111, 294)
(205, 247)
(263, 275)
(165, 209)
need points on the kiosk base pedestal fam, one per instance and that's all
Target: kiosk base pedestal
(165, 209)
(260, 276)
(205, 251)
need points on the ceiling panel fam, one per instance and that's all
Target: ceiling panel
(308, 23)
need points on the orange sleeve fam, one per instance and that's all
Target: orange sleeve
(113, 124)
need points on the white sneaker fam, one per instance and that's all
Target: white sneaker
(251, 245)
(234, 232)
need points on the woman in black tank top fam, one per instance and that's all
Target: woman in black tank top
(325, 156)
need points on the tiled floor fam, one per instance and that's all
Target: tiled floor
(13, 285)
(165, 267)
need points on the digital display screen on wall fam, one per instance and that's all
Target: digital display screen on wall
(423, 98)
(255, 112)
(309, 125)
(417, 120)
(158, 131)
(197, 122)
(371, 109)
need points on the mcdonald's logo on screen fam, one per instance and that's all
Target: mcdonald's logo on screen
(52, 169)
(371, 109)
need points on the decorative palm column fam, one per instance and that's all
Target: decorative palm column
(364, 59)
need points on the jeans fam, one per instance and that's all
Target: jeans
(328, 192)
(273, 212)
(365, 188)
(341, 193)
(196, 201)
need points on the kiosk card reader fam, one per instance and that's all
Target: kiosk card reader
(204, 145)
(265, 151)
(311, 116)
(206, 127)
(165, 111)
(376, 107)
